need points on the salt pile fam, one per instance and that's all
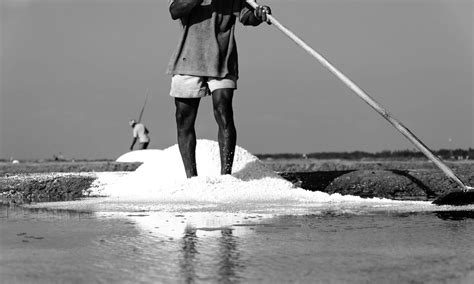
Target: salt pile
(162, 179)
(140, 156)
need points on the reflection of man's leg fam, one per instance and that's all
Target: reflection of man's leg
(186, 112)
(230, 265)
(189, 252)
(227, 136)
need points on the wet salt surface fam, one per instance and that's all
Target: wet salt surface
(325, 244)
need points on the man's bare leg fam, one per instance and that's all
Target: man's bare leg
(186, 112)
(227, 135)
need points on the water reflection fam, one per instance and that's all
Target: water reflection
(455, 215)
(358, 246)
(228, 256)
(189, 252)
(7, 211)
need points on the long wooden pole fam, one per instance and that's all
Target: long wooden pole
(143, 108)
(370, 101)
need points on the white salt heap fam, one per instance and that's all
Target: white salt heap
(163, 179)
(140, 156)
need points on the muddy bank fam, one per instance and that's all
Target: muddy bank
(313, 165)
(404, 180)
(415, 180)
(28, 182)
(28, 188)
(392, 184)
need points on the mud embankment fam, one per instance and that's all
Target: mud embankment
(404, 180)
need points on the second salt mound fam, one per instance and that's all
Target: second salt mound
(163, 179)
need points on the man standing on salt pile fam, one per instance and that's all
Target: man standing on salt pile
(140, 132)
(205, 63)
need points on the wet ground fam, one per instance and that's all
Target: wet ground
(328, 243)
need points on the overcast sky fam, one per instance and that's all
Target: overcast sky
(73, 72)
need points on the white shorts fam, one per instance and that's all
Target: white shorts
(186, 86)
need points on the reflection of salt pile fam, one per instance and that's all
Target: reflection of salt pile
(204, 224)
(163, 179)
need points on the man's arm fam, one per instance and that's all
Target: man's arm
(181, 8)
(133, 143)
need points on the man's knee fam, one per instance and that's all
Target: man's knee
(223, 110)
(182, 117)
(222, 105)
(224, 115)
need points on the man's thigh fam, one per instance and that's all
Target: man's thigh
(222, 96)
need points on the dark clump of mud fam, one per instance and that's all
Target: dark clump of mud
(457, 198)
(30, 188)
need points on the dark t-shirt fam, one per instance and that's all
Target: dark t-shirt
(207, 45)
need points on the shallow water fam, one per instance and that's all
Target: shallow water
(356, 243)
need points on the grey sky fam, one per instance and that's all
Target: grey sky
(73, 73)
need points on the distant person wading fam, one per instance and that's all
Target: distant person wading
(140, 132)
(205, 63)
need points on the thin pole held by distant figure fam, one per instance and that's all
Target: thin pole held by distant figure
(143, 108)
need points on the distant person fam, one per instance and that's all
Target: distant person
(205, 63)
(140, 132)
